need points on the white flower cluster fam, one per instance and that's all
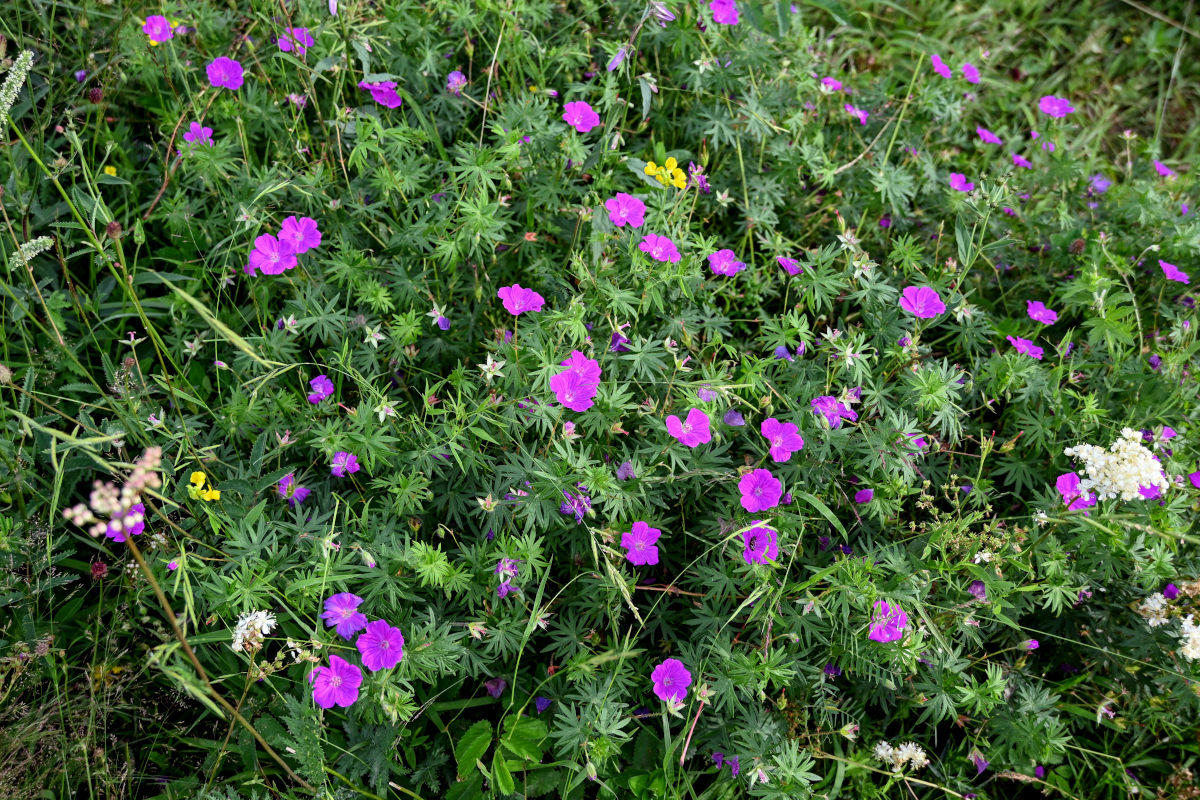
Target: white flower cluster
(1121, 469)
(250, 630)
(896, 757)
(1190, 633)
(1154, 609)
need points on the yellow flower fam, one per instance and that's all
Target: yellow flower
(668, 173)
(110, 171)
(197, 491)
(211, 494)
(198, 478)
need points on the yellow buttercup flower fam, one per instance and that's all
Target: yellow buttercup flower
(668, 173)
(197, 491)
(110, 171)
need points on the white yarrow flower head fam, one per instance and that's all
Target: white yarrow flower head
(908, 754)
(252, 627)
(1126, 467)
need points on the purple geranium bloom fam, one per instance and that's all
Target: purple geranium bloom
(790, 265)
(298, 39)
(671, 680)
(158, 29)
(1068, 486)
(1163, 170)
(660, 248)
(575, 386)
(1100, 184)
(760, 490)
(978, 590)
(341, 612)
(1055, 106)
(970, 73)
(864, 496)
(496, 686)
(693, 431)
(832, 670)
(625, 209)
(625, 471)
(271, 256)
(1171, 591)
(225, 72)
(831, 84)
(959, 182)
(576, 505)
(857, 112)
(541, 703)
(725, 12)
(1022, 162)
(887, 622)
(1039, 313)
(384, 93)
(940, 66)
(706, 394)
(302, 234)
(1030, 644)
(832, 410)
(321, 387)
(734, 419)
(783, 437)
(724, 262)
(132, 523)
(922, 302)
(1150, 492)
(518, 300)
(640, 542)
(1194, 477)
(291, 491)
(455, 81)
(344, 463)
(981, 763)
(783, 354)
(988, 136)
(1173, 272)
(580, 116)
(198, 134)
(337, 684)
(1025, 347)
(761, 544)
(381, 645)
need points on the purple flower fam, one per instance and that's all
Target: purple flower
(617, 342)
(790, 265)
(381, 646)
(625, 471)
(1026, 347)
(159, 29)
(857, 112)
(496, 686)
(706, 394)
(970, 73)
(1068, 486)
(575, 386)
(271, 256)
(625, 209)
(783, 437)
(343, 463)
(978, 590)
(298, 39)
(718, 758)
(939, 66)
(341, 612)
(1039, 772)
(734, 768)
(1150, 492)
(337, 684)
(734, 419)
(455, 81)
(576, 505)
(506, 568)
(1039, 313)
(887, 622)
(988, 136)
(640, 542)
(832, 670)
(671, 680)
(132, 523)
(580, 116)
(291, 491)
(981, 763)
(1194, 477)
(660, 248)
(922, 302)
(1055, 106)
(1171, 591)
(1022, 162)
(384, 93)
(761, 544)
(783, 354)
(864, 496)
(541, 703)
(831, 84)
(1030, 644)
(725, 12)
(693, 431)
(833, 410)
(302, 234)
(1173, 272)
(198, 134)
(81, 76)
(321, 387)
(618, 57)
(518, 300)
(1100, 184)
(1163, 170)
(724, 262)
(760, 490)
(959, 182)
(225, 72)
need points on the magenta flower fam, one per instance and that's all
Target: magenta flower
(381, 646)
(1022, 161)
(864, 496)
(1163, 170)
(298, 39)
(344, 464)
(302, 234)
(831, 84)
(271, 256)
(724, 262)
(1173, 272)
(580, 116)
(939, 66)
(857, 112)
(760, 490)
(289, 490)
(922, 302)
(660, 248)
(959, 182)
(495, 687)
(132, 523)
(337, 684)
(790, 265)
(1029, 644)
(760, 544)
(887, 622)
(384, 93)
(625, 209)
(1068, 486)
(322, 388)
(1039, 313)
(725, 12)
(1055, 106)
(833, 410)
(640, 542)
(575, 386)
(225, 72)
(198, 134)
(1025, 347)
(970, 73)
(455, 81)
(692, 432)
(783, 437)
(341, 612)
(988, 136)
(518, 300)
(158, 29)
(671, 680)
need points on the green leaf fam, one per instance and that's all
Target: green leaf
(501, 777)
(523, 736)
(473, 744)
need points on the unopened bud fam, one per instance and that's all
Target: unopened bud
(113, 229)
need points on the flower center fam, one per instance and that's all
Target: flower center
(335, 681)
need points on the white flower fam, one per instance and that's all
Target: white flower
(1190, 633)
(491, 369)
(250, 630)
(1121, 470)
(908, 753)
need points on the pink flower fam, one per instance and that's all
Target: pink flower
(199, 134)
(322, 388)
(381, 646)
(939, 66)
(1055, 106)
(384, 93)
(158, 29)
(1039, 313)
(724, 262)
(1163, 170)
(1173, 272)
(970, 73)
(760, 544)
(575, 386)
(518, 300)
(783, 437)
(1068, 486)
(1026, 347)
(959, 182)
(341, 612)
(922, 302)
(344, 464)
(1022, 162)
(295, 38)
(857, 112)
(660, 248)
(832, 410)
(790, 265)
(760, 490)
(671, 680)
(640, 542)
(337, 684)
(725, 12)
(831, 84)
(692, 432)
(988, 136)
(864, 496)
(302, 234)
(225, 72)
(580, 116)
(887, 623)
(625, 209)
(271, 256)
